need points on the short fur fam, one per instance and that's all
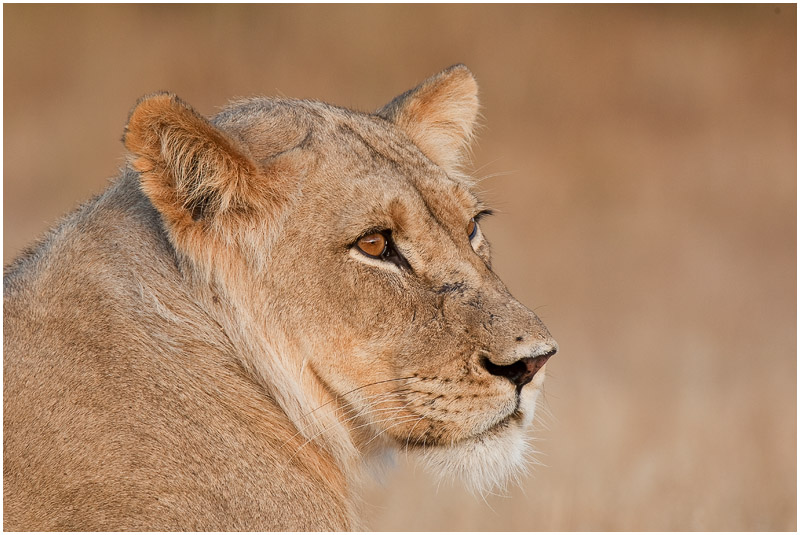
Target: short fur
(203, 347)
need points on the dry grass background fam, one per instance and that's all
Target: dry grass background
(645, 162)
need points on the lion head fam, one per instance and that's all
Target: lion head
(342, 252)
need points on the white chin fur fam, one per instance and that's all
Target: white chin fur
(487, 462)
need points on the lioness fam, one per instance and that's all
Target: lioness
(258, 307)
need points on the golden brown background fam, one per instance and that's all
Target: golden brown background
(643, 164)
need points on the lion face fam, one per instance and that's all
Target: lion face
(424, 342)
(357, 238)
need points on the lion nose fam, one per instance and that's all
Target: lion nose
(522, 371)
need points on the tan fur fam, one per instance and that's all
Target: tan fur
(203, 348)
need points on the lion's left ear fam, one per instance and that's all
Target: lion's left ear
(189, 169)
(439, 115)
(202, 179)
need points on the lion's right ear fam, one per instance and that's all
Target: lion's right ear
(439, 115)
(190, 170)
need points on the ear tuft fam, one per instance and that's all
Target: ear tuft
(189, 169)
(439, 115)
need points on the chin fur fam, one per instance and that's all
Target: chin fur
(487, 462)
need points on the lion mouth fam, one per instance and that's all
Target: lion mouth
(503, 420)
(514, 416)
(427, 441)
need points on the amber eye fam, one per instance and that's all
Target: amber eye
(472, 228)
(372, 245)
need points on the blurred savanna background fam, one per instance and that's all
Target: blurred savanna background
(642, 164)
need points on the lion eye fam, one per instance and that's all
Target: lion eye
(380, 245)
(372, 245)
(472, 228)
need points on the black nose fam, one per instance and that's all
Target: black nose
(522, 371)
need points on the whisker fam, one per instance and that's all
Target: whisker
(487, 164)
(304, 444)
(385, 409)
(362, 412)
(338, 396)
(404, 420)
(320, 433)
(493, 175)
(408, 438)
(340, 408)
(373, 398)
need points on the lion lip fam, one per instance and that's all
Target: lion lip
(516, 414)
